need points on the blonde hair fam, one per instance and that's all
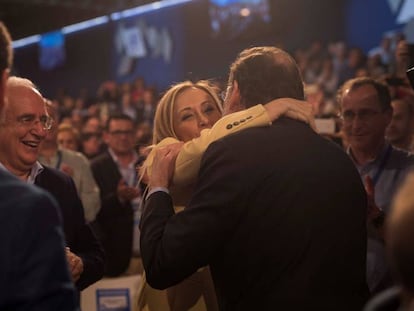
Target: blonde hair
(164, 115)
(64, 127)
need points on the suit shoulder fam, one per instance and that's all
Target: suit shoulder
(100, 159)
(51, 177)
(12, 186)
(54, 173)
(14, 192)
(403, 157)
(278, 131)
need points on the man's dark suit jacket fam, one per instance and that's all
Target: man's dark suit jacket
(279, 214)
(78, 234)
(33, 269)
(114, 222)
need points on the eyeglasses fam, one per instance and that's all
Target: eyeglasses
(363, 115)
(30, 121)
(120, 133)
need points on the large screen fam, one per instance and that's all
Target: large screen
(231, 19)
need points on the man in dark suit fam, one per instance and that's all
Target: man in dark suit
(278, 213)
(33, 270)
(25, 126)
(116, 176)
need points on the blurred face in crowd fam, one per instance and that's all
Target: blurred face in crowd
(92, 125)
(364, 121)
(194, 110)
(91, 144)
(23, 129)
(120, 136)
(401, 126)
(67, 140)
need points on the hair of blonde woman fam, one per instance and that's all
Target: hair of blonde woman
(164, 115)
(64, 127)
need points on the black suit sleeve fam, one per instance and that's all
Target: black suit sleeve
(78, 234)
(175, 246)
(85, 244)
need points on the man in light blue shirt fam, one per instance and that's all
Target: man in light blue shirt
(366, 112)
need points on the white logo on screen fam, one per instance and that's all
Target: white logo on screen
(141, 40)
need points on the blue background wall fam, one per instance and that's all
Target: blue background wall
(367, 21)
(92, 57)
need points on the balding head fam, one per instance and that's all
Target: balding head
(16, 87)
(14, 83)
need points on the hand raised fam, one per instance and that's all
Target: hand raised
(126, 193)
(163, 165)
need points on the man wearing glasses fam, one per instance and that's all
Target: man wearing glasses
(366, 112)
(33, 270)
(116, 176)
(24, 127)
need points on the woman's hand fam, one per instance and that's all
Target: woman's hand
(292, 108)
(163, 165)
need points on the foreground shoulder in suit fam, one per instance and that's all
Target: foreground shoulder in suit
(33, 270)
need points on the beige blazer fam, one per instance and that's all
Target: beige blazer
(189, 158)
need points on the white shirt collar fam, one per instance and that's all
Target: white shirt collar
(37, 168)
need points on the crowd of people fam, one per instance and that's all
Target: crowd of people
(239, 203)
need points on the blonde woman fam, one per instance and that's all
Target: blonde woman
(198, 139)
(192, 113)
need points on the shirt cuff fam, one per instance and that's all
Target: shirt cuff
(157, 189)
